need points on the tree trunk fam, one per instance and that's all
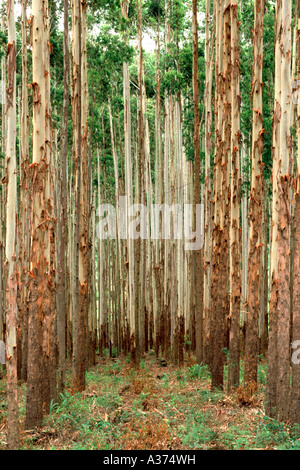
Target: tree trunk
(222, 153)
(11, 289)
(197, 194)
(235, 194)
(24, 232)
(209, 48)
(256, 204)
(40, 306)
(295, 399)
(278, 386)
(61, 294)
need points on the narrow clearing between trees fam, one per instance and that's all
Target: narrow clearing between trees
(154, 408)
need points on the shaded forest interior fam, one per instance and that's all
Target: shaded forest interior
(150, 217)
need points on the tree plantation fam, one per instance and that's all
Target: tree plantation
(150, 224)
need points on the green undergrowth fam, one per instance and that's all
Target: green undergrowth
(154, 407)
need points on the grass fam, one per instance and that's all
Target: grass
(154, 408)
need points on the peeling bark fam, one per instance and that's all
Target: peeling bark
(256, 204)
(11, 267)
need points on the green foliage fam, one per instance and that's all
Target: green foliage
(199, 371)
(187, 341)
(113, 368)
(262, 373)
(235, 438)
(105, 352)
(276, 435)
(195, 433)
(113, 403)
(3, 43)
(155, 10)
(181, 377)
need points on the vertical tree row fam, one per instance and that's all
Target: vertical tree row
(156, 130)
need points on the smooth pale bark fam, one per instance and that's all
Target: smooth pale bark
(159, 194)
(120, 322)
(100, 264)
(80, 158)
(272, 348)
(128, 186)
(278, 380)
(284, 228)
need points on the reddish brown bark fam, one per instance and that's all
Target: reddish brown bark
(217, 320)
(256, 204)
(235, 233)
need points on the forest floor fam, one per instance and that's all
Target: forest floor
(153, 408)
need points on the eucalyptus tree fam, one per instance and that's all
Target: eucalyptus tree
(220, 233)
(11, 266)
(235, 200)
(62, 216)
(278, 386)
(256, 201)
(198, 263)
(295, 398)
(40, 333)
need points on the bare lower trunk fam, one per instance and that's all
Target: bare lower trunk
(40, 306)
(235, 242)
(256, 204)
(24, 232)
(295, 398)
(11, 288)
(209, 47)
(197, 195)
(61, 295)
(217, 319)
(278, 383)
